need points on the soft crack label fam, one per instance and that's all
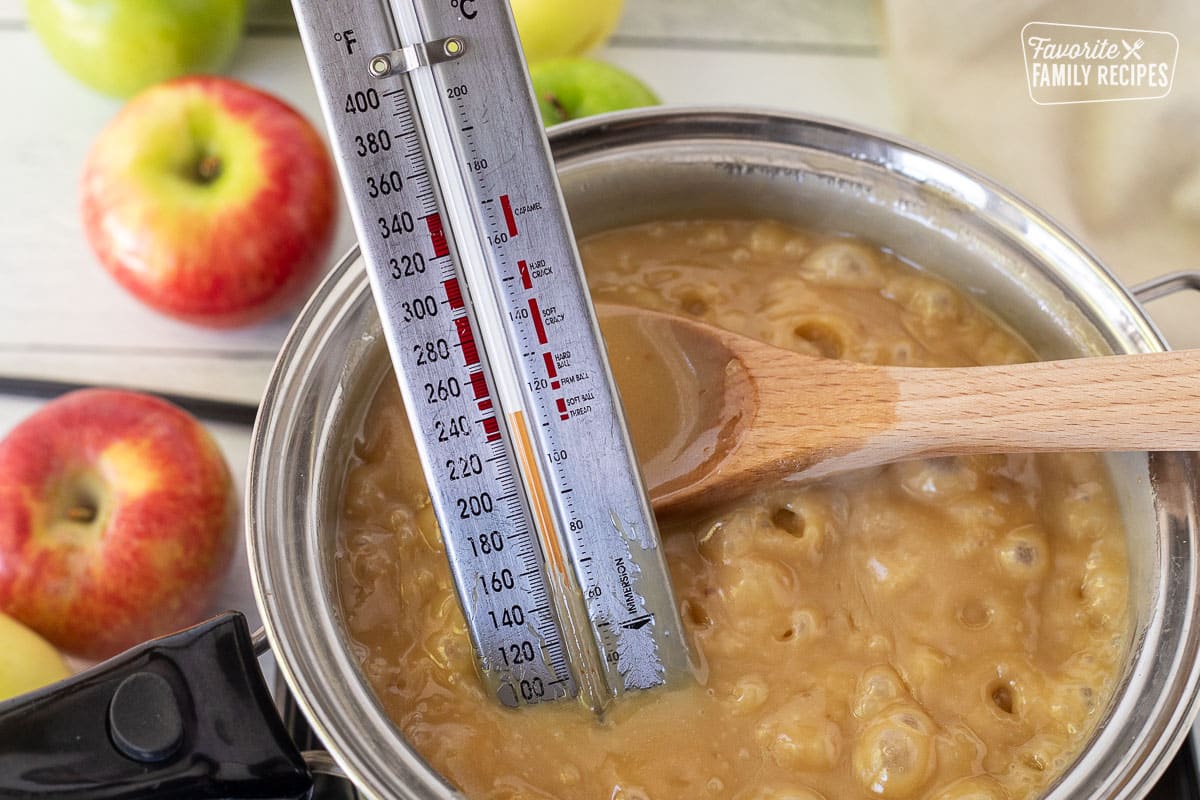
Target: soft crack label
(1089, 64)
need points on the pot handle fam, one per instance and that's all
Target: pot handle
(1165, 285)
(184, 716)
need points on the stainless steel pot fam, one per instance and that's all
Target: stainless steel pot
(686, 163)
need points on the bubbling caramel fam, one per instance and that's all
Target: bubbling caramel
(932, 629)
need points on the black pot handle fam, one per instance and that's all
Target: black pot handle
(185, 716)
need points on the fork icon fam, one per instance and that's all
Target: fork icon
(1132, 49)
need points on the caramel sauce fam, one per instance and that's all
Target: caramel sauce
(931, 629)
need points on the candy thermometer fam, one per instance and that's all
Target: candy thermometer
(474, 270)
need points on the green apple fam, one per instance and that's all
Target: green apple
(121, 46)
(27, 661)
(557, 28)
(570, 88)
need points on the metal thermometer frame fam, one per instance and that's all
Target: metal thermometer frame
(444, 130)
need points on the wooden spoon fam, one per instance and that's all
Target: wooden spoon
(719, 414)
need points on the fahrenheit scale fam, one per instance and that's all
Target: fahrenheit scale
(474, 270)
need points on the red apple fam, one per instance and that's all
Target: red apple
(210, 200)
(116, 520)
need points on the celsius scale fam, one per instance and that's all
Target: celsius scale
(473, 266)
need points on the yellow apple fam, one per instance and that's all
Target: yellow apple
(558, 28)
(27, 661)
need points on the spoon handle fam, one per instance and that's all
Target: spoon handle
(1147, 401)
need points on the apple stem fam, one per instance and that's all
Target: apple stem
(558, 106)
(81, 513)
(208, 168)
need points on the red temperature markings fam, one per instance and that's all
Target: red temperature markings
(492, 427)
(437, 235)
(526, 280)
(562, 408)
(551, 371)
(467, 340)
(479, 387)
(453, 293)
(509, 219)
(537, 320)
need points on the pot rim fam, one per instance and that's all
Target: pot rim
(613, 133)
(645, 126)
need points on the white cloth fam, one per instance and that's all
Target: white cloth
(1123, 177)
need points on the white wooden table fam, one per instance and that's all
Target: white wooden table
(62, 317)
